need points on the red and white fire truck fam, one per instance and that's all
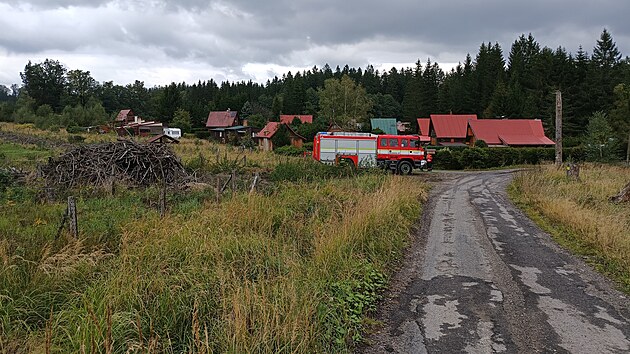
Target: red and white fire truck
(399, 153)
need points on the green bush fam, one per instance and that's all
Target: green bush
(289, 150)
(308, 170)
(74, 129)
(481, 143)
(202, 134)
(475, 158)
(75, 139)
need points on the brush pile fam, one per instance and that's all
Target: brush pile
(124, 161)
(623, 196)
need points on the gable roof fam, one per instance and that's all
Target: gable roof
(123, 114)
(510, 131)
(451, 125)
(271, 128)
(162, 139)
(268, 130)
(221, 119)
(387, 125)
(423, 125)
(288, 118)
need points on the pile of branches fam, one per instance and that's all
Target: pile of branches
(124, 161)
(623, 196)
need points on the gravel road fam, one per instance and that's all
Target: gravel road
(481, 277)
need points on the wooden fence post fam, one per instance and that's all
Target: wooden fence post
(252, 188)
(163, 201)
(219, 191)
(72, 215)
(233, 182)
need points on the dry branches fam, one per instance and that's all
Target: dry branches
(123, 161)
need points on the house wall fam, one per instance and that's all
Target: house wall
(265, 144)
(297, 142)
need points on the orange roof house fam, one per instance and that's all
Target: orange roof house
(222, 119)
(265, 135)
(509, 132)
(288, 118)
(450, 129)
(125, 116)
(423, 129)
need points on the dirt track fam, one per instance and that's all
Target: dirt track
(480, 277)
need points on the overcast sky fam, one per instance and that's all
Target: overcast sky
(161, 41)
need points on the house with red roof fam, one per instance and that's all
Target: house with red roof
(222, 119)
(265, 136)
(127, 123)
(450, 129)
(125, 116)
(508, 132)
(423, 129)
(288, 118)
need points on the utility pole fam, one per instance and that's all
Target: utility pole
(558, 128)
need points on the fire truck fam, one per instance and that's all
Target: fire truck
(399, 153)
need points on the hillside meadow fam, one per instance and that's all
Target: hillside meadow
(579, 215)
(294, 267)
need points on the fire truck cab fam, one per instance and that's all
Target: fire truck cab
(399, 153)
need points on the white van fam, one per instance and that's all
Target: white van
(175, 133)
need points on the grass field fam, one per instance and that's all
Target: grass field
(579, 215)
(293, 268)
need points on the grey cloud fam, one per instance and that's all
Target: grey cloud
(229, 34)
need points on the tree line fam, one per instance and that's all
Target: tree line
(488, 84)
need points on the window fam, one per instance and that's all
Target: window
(393, 142)
(404, 143)
(415, 143)
(384, 142)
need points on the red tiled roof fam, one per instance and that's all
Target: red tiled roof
(122, 115)
(221, 119)
(451, 125)
(269, 130)
(288, 118)
(423, 126)
(510, 131)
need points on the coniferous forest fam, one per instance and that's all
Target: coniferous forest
(521, 84)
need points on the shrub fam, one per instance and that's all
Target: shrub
(75, 139)
(307, 170)
(289, 150)
(74, 129)
(202, 134)
(481, 143)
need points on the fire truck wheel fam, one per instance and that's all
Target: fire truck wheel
(405, 168)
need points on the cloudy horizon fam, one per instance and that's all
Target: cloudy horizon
(164, 41)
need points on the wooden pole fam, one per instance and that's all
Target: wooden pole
(72, 215)
(252, 188)
(628, 152)
(163, 201)
(233, 177)
(558, 128)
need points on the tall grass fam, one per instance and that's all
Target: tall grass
(293, 271)
(579, 214)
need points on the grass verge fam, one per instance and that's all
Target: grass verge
(579, 216)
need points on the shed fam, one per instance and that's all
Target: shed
(266, 134)
(387, 125)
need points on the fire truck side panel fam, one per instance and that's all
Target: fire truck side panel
(367, 153)
(361, 151)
